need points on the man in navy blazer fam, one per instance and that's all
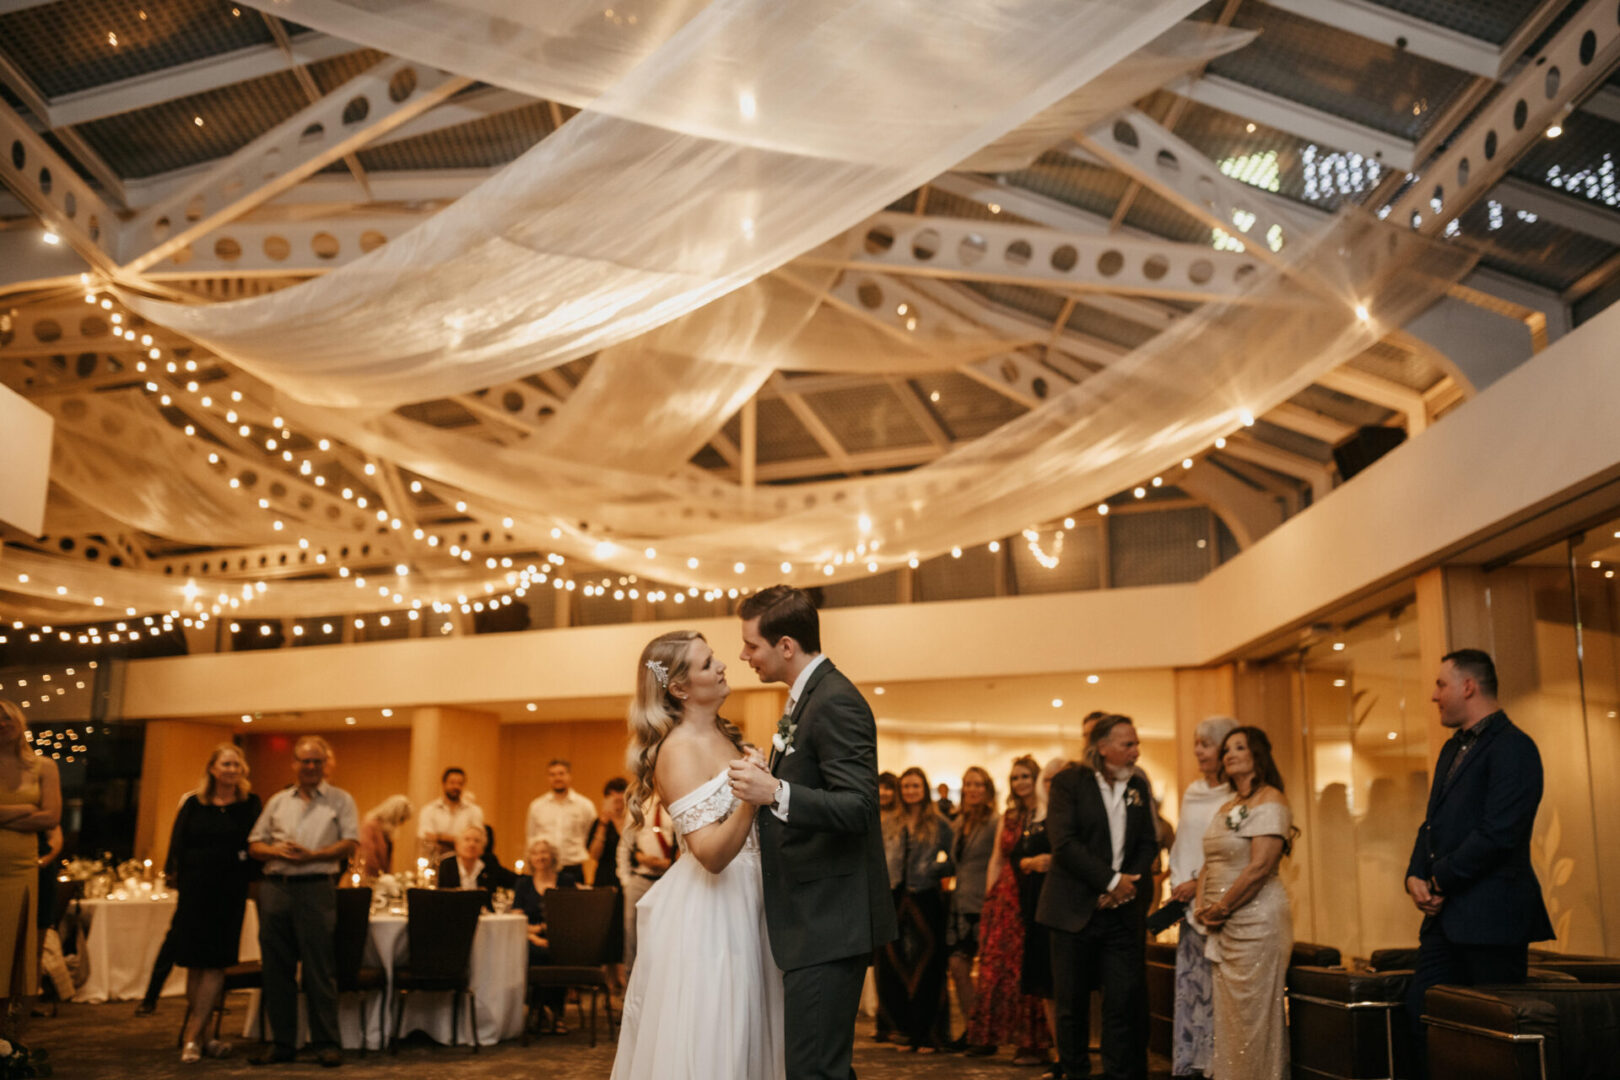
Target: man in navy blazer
(1100, 821)
(1470, 872)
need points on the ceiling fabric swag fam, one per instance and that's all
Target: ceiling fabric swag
(740, 158)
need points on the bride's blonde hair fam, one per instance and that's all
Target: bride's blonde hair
(655, 712)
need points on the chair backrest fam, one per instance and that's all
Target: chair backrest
(353, 926)
(441, 924)
(579, 925)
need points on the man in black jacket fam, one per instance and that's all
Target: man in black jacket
(1470, 872)
(827, 901)
(1099, 819)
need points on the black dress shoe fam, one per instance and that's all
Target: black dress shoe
(330, 1058)
(956, 1046)
(275, 1055)
(987, 1050)
(146, 1008)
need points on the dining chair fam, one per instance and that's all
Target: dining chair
(353, 976)
(579, 929)
(440, 925)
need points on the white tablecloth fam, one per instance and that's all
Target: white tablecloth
(500, 970)
(122, 942)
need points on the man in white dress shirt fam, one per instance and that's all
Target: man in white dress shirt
(563, 817)
(443, 820)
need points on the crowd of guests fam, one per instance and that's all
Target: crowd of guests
(1026, 906)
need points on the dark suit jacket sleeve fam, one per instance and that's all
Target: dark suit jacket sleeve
(449, 875)
(846, 750)
(1069, 849)
(1507, 821)
(1418, 865)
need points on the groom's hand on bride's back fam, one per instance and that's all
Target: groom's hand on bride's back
(751, 782)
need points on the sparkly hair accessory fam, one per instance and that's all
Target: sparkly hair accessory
(657, 668)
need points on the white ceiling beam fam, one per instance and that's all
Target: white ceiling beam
(184, 80)
(12, 76)
(1332, 131)
(332, 190)
(298, 147)
(1310, 423)
(1314, 473)
(1401, 399)
(67, 205)
(1379, 23)
(465, 109)
(1568, 211)
(900, 457)
(838, 457)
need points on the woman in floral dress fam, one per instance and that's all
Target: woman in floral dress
(1002, 1012)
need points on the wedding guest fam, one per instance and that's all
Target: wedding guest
(1002, 1011)
(209, 865)
(888, 1008)
(1033, 857)
(443, 819)
(943, 803)
(1245, 908)
(30, 803)
(1194, 1030)
(375, 855)
(303, 837)
(974, 841)
(646, 851)
(1100, 823)
(1470, 873)
(51, 960)
(468, 869)
(530, 898)
(915, 961)
(563, 817)
(603, 839)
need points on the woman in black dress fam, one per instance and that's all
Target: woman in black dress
(1032, 855)
(208, 862)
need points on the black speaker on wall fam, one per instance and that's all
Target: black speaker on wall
(1365, 447)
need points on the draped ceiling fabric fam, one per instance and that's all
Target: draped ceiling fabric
(751, 132)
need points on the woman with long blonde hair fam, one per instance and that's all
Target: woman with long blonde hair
(30, 803)
(209, 864)
(705, 996)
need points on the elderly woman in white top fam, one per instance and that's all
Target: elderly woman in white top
(1195, 1014)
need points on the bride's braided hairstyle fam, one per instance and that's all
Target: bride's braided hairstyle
(656, 712)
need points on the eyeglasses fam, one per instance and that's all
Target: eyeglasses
(310, 760)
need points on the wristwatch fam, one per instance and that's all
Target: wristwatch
(776, 796)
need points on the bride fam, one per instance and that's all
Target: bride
(705, 995)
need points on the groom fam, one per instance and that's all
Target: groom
(827, 900)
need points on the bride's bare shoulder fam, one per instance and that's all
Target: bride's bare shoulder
(684, 764)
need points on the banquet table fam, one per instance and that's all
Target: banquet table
(122, 939)
(498, 977)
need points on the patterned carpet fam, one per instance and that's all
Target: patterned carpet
(95, 1042)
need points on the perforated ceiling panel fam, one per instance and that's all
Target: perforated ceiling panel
(1375, 84)
(1155, 214)
(1341, 407)
(1398, 366)
(1489, 20)
(1076, 183)
(1583, 162)
(167, 137)
(963, 407)
(1529, 247)
(1160, 547)
(74, 45)
(1276, 161)
(781, 436)
(866, 418)
(1292, 442)
(482, 144)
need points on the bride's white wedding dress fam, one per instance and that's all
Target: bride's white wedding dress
(705, 995)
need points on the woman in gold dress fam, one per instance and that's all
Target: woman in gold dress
(1245, 909)
(30, 803)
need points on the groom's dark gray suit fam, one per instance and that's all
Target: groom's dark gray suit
(827, 900)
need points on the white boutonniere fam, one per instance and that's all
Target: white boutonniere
(1236, 816)
(1133, 797)
(783, 739)
(778, 742)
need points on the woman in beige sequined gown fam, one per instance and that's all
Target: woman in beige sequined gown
(30, 803)
(1246, 910)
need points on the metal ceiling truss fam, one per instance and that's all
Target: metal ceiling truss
(1333, 131)
(21, 85)
(279, 248)
(1256, 452)
(54, 192)
(1577, 59)
(1379, 23)
(1137, 145)
(1248, 513)
(377, 101)
(1566, 211)
(1370, 388)
(1046, 258)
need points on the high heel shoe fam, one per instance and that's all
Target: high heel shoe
(191, 1054)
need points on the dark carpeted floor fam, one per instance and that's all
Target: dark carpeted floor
(110, 1041)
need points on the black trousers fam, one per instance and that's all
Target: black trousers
(819, 1006)
(298, 928)
(161, 966)
(1109, 955)
(1442, 962)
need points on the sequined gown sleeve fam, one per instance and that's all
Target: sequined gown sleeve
(1249, 955)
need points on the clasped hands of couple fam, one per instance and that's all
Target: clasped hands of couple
(751, 779)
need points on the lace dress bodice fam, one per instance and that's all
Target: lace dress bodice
(706, 804)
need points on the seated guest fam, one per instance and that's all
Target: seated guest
(530, 899)
(468, 869)
(376, 853)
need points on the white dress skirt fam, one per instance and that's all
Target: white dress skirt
(705, 996)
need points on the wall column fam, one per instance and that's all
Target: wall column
(442, 736)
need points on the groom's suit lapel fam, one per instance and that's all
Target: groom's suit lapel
(797, 717)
